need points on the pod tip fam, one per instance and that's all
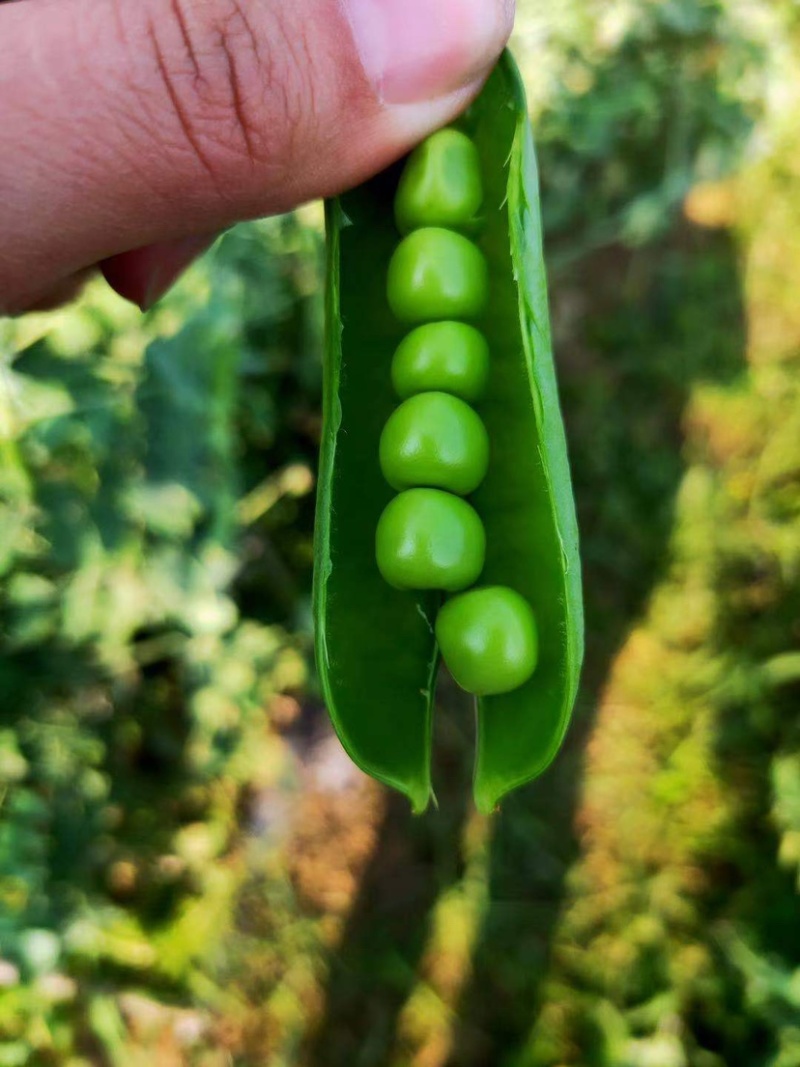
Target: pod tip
(486, 798)
(420, 798)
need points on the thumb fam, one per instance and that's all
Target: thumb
(127, 125)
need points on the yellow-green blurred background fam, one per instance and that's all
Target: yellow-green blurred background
(191, 871)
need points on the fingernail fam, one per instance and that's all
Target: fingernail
(415, 50)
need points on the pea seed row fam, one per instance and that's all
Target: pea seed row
(434, 449)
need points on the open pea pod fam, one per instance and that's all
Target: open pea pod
(376, 649)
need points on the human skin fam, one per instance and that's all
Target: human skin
(133, 133)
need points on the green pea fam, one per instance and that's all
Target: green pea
(427, 539)
(440, 184)
(434, 439)
(437, 274)
(488, 640)
(450, 357)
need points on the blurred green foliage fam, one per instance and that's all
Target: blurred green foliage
(156, 522)
(184, 879)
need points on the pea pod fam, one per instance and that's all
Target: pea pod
(377, 654)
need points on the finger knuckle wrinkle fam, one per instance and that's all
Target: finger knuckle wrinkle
(230, 96)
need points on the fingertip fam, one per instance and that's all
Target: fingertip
(144, 275)
(415, 51)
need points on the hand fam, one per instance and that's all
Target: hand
(132, 132)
